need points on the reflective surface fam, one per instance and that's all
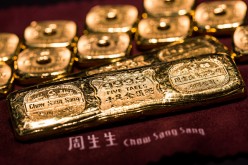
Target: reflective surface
(103, 46)
(42, 63)
(161, 8)
(6, 78)
(153, 32)
(8, 46)
(57, 33)
(114, 96)
(217, 16)
(111, 18)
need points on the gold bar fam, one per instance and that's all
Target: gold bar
(35, 65)
(7, 78)
(219, 17)
(80, 103)
(165, 8)
(112, 19)
(102, 48)
(154, 32)
(240, 44)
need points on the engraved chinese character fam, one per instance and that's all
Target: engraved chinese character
(149, 91)
(139, 93)
(110, 138)
(93, 140)
(129, 95)
(76, 143)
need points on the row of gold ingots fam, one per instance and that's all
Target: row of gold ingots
(56, 98)
(164, 22)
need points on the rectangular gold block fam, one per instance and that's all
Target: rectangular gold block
(80, 103)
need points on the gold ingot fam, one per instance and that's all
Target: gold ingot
(100, 48)
(219, 17)
(35, 65)
(163, 8)
(43, 34)
(112, 18)
(240, 43)
(9, 46)
(154, 32)
(6, 79)
(81, 103)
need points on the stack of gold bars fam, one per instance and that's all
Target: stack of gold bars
(175, 71)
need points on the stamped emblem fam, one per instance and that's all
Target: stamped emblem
(198, 76)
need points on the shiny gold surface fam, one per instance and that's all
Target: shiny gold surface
(6, 78)
(162, 8)
(57, 33)
(42, 63)
(240, 44)
(111, 18)
(110, 97)
(220, 16)
(240, 39)
(153, 32)
(190, 47)
(8, 46)
(103, 46)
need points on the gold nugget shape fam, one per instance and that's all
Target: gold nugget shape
(80, 103)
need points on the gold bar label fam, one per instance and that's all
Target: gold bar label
(122, 90)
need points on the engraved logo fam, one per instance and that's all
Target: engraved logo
(186, 50)
(119, 92)
(198, 76)
(60, 100)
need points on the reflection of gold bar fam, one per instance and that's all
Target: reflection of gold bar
(79, 103)
(187, 48)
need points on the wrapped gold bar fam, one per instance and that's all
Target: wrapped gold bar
(35, 65)
(154, 32)
(219, 17)
(81, 103)
(240, 44)
(163, 8)
(101, 48)
(6, 79)
(112, 18)
(189, 47)
(9, 47)
(54, 33)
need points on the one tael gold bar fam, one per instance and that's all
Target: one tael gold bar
(80, 103)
